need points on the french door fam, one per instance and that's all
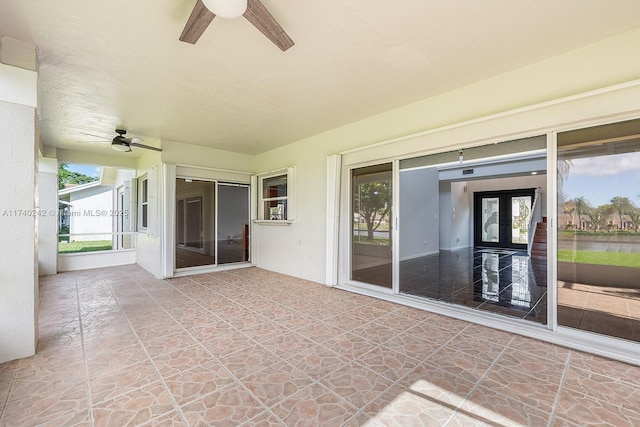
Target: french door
(501, 218)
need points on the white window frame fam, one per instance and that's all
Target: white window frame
(143, 201)
(289, 174)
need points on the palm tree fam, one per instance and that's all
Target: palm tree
(582, 208)
(597, 215)
(634, 217)
(621, 205)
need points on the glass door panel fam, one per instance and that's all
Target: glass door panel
(233, 223)
(490, 229)
(195, 223)
(371, 201)
(520, 211)
(598, 225)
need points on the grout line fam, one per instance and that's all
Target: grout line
(560, 386)
(177, 407)
(477, 384)
(84, 354)
(13, 380)
(235, 379)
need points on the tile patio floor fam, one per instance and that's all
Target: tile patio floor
(256, 348)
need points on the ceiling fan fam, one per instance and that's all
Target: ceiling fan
(205, 10)
(122, 143)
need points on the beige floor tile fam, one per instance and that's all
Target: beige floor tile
(255, 348)
(249, 360)
(276, 383)
(134, 408)
(502, 409)
(198, 380)
(230, 406)
(356, 384)
(314, 406)
(45, 406)
(121, 381)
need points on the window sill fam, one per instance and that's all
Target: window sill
(273, 222)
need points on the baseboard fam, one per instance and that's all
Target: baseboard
(406, 258)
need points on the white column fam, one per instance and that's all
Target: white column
(18, 219)
(48, 219)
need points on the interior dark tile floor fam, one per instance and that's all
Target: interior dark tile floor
(494, 280)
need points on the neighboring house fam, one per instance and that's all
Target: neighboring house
(84, 205)
(90, 211)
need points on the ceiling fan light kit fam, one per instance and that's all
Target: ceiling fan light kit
(124, 144)
(226, 8)
(120, 145)
(205, 10)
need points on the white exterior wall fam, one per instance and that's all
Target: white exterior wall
(87, 213)
(48, 222)
(19, 260)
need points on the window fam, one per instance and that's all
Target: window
(143, 196)
(276, 196)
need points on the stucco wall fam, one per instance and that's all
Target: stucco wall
(19, 261)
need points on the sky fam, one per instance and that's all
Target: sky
(599, 179)
(93, 171)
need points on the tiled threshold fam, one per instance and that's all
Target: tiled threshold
(251, 347)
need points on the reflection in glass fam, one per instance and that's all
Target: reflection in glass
(195, 223)
(371, 228)
(233, 223)
(274, 196)
(598, 238)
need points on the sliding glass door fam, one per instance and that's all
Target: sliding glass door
(212, 223)
(371, 230)
(598, 230)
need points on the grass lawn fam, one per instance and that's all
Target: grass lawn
(88, 246)
(377, 241)
(620, 259)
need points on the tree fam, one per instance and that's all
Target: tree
(634, 217)
(374, 204)
(65, 176)
(621, 205)
(582, 208)
(598, 215)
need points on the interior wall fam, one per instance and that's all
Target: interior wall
(419, 213)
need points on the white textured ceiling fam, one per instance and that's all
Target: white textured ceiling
(118, 63)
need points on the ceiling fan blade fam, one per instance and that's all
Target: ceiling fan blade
(260, 17)
(135, 140)
(199, 20)
(148, 147)
(96, 136)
